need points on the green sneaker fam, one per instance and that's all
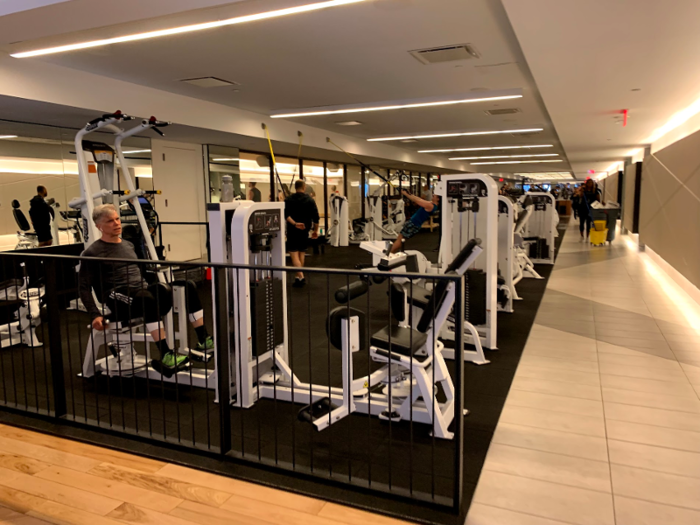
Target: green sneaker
(170, 363)
(206, 345)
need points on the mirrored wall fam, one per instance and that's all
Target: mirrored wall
(34, 155)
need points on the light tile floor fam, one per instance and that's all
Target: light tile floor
(602, 423)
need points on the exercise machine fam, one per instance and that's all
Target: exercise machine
(339, 234)
(251, 236)
(26, 238)
(506, 254)
(22, 302)
(540, 229)
(523, 267)
(97, 187)
(469, 210)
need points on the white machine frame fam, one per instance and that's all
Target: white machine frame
(506, 249)
(270, 375)
(339, 232)
(460, 226)
(542, 223)
(122, 334)
(23, 331)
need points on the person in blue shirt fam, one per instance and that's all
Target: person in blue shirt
(413, 225)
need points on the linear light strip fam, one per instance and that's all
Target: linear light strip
(390, 107)
(514, 162)
(186, 29)
(459, 134)
(506, 156)
(8, 136)
(490, 148)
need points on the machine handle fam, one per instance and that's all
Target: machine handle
(346, 293)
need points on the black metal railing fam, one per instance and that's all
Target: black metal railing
(251, 400)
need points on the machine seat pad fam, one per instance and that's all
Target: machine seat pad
(404, 341)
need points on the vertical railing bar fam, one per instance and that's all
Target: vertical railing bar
(458, 488)
(185, 335)
(432, 385)
(70, 362)
(409, 301)
(391, 396)
(222, 361)
(311, 381)
(175, 350)
(290, 348)
(132, 351)
(369, 387)
(59, 388)
(104, 338)
(239, 353)
(328, 352)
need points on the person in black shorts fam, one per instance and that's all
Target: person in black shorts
(301, 214)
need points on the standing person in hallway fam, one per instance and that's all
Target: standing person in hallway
(301, 214)
(588, 194)
(41, 215)
(254, 193)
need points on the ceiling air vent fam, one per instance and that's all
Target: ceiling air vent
(208, 82)
(504, 111)
(438, 55)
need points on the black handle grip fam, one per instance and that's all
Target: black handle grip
(346, 293)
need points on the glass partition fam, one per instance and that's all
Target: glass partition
(32, 155)
(224, 160)
(255, 175)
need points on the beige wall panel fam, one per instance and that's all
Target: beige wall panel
(670, 206)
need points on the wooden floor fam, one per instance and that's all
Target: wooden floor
(44, 479)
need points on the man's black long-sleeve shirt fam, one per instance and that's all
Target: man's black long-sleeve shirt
(301, 208)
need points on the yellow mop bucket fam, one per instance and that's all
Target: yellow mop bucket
(599, 237)
(599, 225)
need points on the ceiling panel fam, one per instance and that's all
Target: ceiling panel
(352, 54)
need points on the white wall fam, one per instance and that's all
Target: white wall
(178, 171)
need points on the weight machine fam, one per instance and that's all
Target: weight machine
(539, 230)
(97, 186)
(251, 235)
(22, 302)
(506, 254)
(469, 210)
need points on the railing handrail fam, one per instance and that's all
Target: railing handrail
(331, 271)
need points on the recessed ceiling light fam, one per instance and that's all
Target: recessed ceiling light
(137, 151)
(514, 162)
(349, 123)
(8, 136)
(490, 148)
(456, 134)
(506, 156)
(401, 104)
(186, 29)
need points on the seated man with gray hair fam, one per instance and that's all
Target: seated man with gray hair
(121, 287)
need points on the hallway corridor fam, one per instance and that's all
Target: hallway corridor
(602, 423)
